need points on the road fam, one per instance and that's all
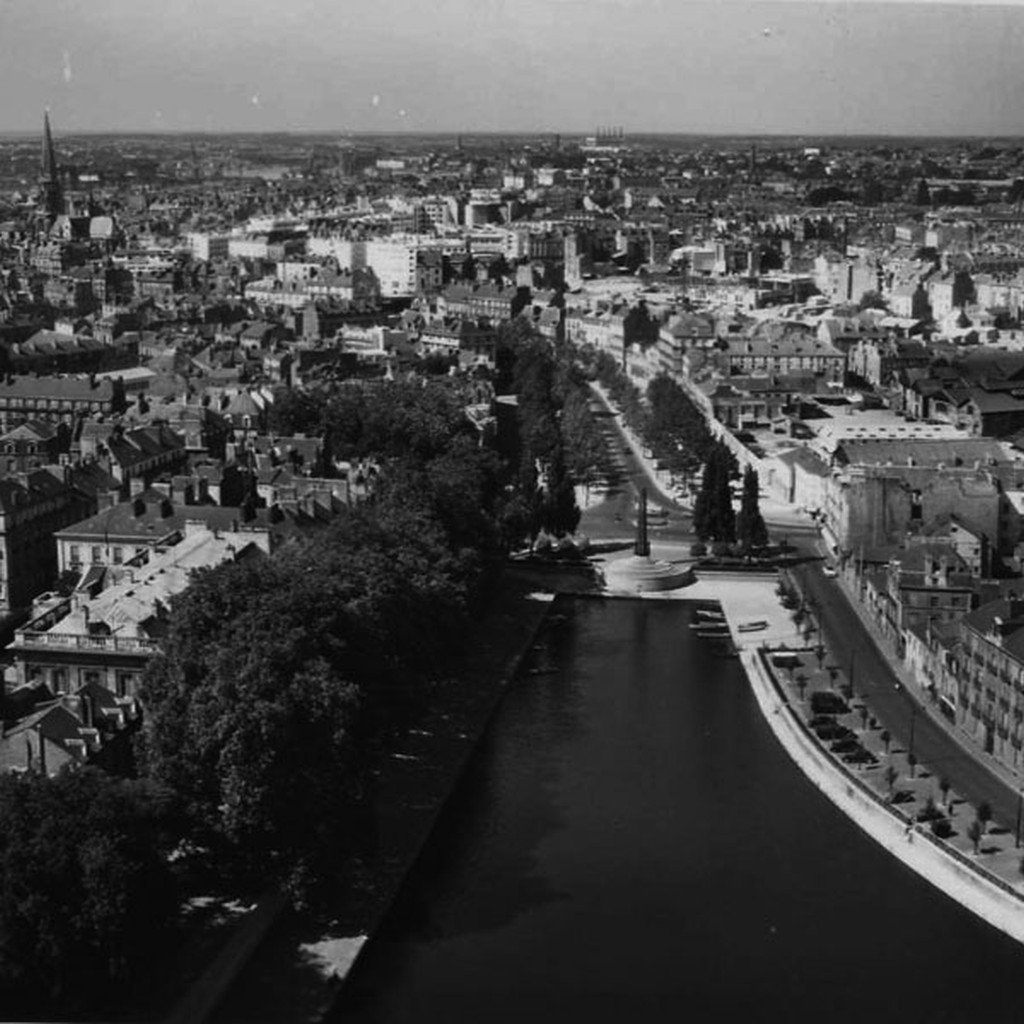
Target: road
(874, 680)
(614, 518)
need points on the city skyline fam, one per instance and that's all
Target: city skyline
(791, 68)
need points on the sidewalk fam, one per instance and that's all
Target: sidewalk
(659, 480)
(907, 679)
(845, 753)
(887, 805)
(776, 513)
(904, 788)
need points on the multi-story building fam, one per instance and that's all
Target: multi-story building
(776, 347)
(30, 446)
(206, 246)
(990, 674)
(479, 301)
(54, 399)
(33, 507)
(107, 640)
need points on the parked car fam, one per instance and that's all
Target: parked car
(830, 571)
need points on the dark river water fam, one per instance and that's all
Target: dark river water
(630, 844)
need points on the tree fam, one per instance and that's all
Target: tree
(583, 449)
(974, 832)
(561, 514)
(984, 814)
(119, 396)
(923, 196)
(249, 715)
(890, 776)
(886, 737)
(801, 684)
(498, 268)
(713, 515)
(871, 300)
(912, 763)
(295, 411)
(944, 788)
(639, 327)
(86, 891)
(751, 531)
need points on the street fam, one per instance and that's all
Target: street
(850, 644)
(614, 518)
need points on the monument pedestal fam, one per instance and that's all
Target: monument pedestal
(641, 574)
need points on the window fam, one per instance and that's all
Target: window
(97, 556)
(118, 557)
(75, 555)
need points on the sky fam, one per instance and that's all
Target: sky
(800, 67)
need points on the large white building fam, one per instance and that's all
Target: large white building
(393, 260)
(205, 246)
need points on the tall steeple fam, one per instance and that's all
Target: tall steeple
(50, 172)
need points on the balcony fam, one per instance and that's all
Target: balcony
(78, 642)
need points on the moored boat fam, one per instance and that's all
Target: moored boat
(752, 627)
(709, 614)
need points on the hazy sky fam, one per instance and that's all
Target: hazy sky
(538, 65)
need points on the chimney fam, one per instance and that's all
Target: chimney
(136, 485)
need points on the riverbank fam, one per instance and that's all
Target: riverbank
(983, 876)
(990, 898)
(296, 972)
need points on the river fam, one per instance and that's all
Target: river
(631, 843)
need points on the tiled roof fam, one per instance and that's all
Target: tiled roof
(73, 388)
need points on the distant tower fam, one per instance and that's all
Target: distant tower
(49, 177)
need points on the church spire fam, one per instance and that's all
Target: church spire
(50, 172)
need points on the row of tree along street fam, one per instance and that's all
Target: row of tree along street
(283, 679)
(680, 442)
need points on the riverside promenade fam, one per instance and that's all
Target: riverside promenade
(887, 794)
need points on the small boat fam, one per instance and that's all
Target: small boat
(709, 614)
(713, 634)
(722, 627)
(752, 627)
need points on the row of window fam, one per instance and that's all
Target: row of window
(96, 555)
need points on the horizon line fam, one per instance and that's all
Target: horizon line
(538, 132)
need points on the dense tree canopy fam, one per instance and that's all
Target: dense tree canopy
(85, 885)
(275, 668)
(713, 515)
(751, 531)
(675, 429)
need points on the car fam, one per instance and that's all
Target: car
(830, 571)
